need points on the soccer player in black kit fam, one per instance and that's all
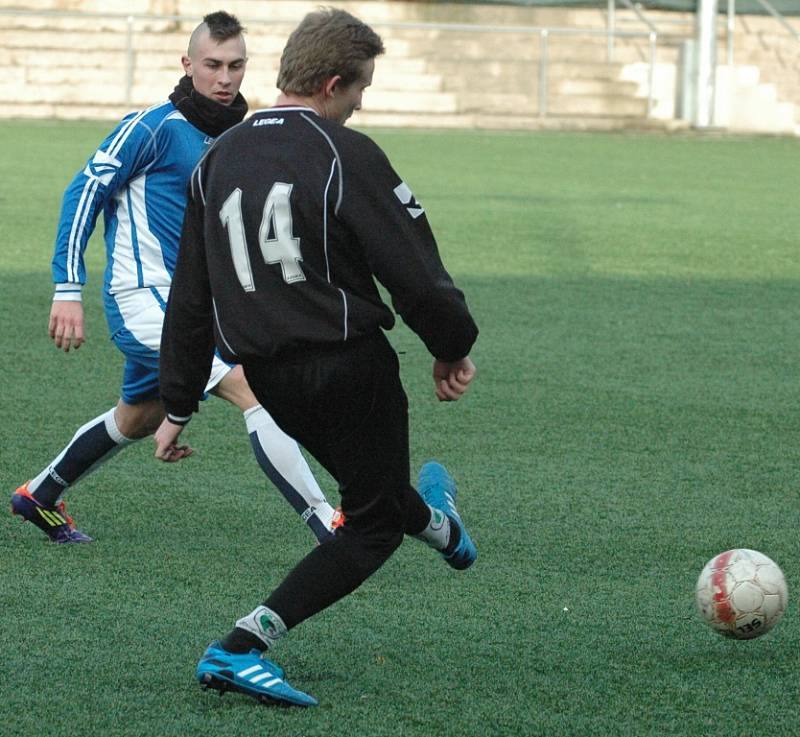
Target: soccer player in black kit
(290, 220)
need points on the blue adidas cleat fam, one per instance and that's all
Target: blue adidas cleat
(438, 489)
(53, 521)
(249, 674)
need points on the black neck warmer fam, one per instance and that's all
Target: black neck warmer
(204, 113)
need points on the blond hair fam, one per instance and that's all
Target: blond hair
(327, 43)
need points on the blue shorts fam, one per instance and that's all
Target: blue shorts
(135, 318)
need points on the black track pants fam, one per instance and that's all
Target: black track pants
(347, 407)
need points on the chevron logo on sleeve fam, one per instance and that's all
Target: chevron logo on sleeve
(406, 196)
(102, 167)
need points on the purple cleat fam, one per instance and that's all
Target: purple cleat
(53, 521)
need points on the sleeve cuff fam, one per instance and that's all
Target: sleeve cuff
(177, 420)
(68, 293)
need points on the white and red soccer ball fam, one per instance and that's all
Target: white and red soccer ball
(741, 593)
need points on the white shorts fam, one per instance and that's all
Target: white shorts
(136, 319)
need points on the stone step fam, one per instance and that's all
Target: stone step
(60, 23)
(44, 58)
(74, 65)
(70, 97)
(595, 87)
(91, 41)
(105, 76)
(59, 84)
(402, 101)
(52, 48)
(603, 105)
(574, 103)
(65, 90)
(74, 92)
(583, 70)
(508, 75)
(789, 77)
(498, 103)
(560, 48)
(764, 41)
(509, 48)
(115, 39)
(401, 93)
(751, 105)
(789, 58)
(487, 121)
(385, 80)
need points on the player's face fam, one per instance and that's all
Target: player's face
(347, 99)
(217, 69)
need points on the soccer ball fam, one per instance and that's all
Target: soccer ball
(741, 593)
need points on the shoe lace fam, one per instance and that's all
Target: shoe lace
(338, 519)
(62, 510)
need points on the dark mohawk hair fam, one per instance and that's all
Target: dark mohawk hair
(222, 26)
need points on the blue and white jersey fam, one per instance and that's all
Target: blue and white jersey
(138, 177)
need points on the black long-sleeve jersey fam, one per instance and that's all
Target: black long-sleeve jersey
(290, 219)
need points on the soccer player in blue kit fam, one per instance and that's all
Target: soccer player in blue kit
(138, 177)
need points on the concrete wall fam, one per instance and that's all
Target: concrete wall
(54, 65)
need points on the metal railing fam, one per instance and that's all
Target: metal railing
(730, 29)
(611, 25)
(130, 20)
(543, 34)
(778, 17)
(730, 26)
(729, 22)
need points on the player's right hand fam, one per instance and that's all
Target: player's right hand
(166, 439)
(66, 325)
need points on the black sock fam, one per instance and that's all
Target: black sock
(455, 537)
(241, 641)
(91, 445)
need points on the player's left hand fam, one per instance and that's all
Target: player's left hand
(453, 379)
(166, 438)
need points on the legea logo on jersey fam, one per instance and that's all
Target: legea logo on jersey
(268, 121)
(102, 167)
(406, 196)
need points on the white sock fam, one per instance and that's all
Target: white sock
(437, 533)
(280, 458)
(265, 624)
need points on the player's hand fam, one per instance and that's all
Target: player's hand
(453, 379)
(167, 448)
(66, 325)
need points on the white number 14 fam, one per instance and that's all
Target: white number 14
(283, 248)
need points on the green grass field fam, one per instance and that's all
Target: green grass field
(636, 412)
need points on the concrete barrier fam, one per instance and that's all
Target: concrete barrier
(57, 65)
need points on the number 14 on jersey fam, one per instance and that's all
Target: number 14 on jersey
(283, 248)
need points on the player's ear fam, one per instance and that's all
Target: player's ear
(329, 88)
(187, 65)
